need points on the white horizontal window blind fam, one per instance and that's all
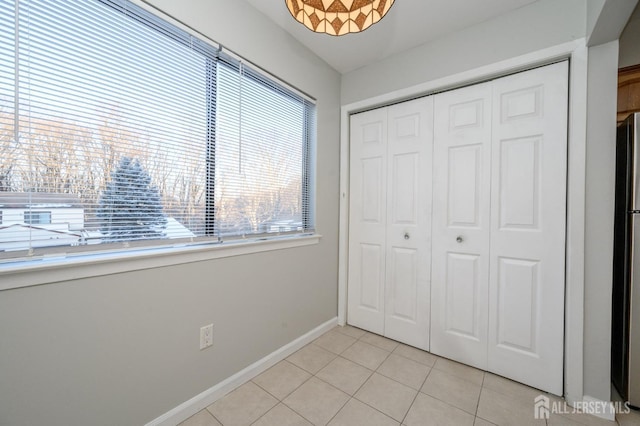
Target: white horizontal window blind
(119, 129)
(260, 163)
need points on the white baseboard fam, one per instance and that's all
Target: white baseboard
(606, 410)
(596, 407)
(211, 395)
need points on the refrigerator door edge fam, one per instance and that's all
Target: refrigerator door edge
(634, 316)
(632, 124)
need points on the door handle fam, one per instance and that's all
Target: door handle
(406, 236)
(459, 239)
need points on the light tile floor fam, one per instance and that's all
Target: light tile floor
(349, 377)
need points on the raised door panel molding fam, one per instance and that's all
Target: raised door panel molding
(462, 291)
(519, 185)
(464, 188)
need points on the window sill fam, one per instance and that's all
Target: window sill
(58, 269)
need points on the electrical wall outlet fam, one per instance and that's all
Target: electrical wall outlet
(206, 336)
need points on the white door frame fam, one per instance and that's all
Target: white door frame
(576, 52)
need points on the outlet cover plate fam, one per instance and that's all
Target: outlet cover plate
(206, 336)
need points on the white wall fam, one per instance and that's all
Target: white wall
(630, 41)
(542, 24)
(600, 184)
(123, 349)
(606, 20)
(594, 9)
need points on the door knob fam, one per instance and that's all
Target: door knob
(406, 236)
(459, 239)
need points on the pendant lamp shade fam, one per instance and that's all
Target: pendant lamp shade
(338, 17)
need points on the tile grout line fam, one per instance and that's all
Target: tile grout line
(404, 384)
(217, 419)
(475, 414)
(366, 380)
(360, 387)
(416, 396)
(268, 411)
(323, 381)
(281, 401)
(388, 353)
(397, 381)
(374, 408)
(318, 346)
(300, 414)
(267, 391)
(340, 409)
(484, 376)
(340, 330)
(449, 404)
(376, 372)
(431, 368)
(329, 384)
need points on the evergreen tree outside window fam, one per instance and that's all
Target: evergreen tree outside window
(130, 208)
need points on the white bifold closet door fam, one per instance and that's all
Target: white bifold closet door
(390, 221)
(461, 224)
(500, 159)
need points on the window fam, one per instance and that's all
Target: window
(149, 134)
(37, 218)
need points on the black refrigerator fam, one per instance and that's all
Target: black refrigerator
(625, 333)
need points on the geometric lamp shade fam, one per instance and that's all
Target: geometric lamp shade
(338, 17)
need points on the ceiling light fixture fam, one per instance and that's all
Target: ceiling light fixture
(338, 17)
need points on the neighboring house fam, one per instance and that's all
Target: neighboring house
(46, 210)
(18, 235)
(48, 219)
(45, 219)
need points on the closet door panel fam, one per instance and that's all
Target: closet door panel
(407, 311)
(461, 295)
(527, 281)
(368, 220)
(461, 224)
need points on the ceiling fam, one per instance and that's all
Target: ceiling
(409, 23)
